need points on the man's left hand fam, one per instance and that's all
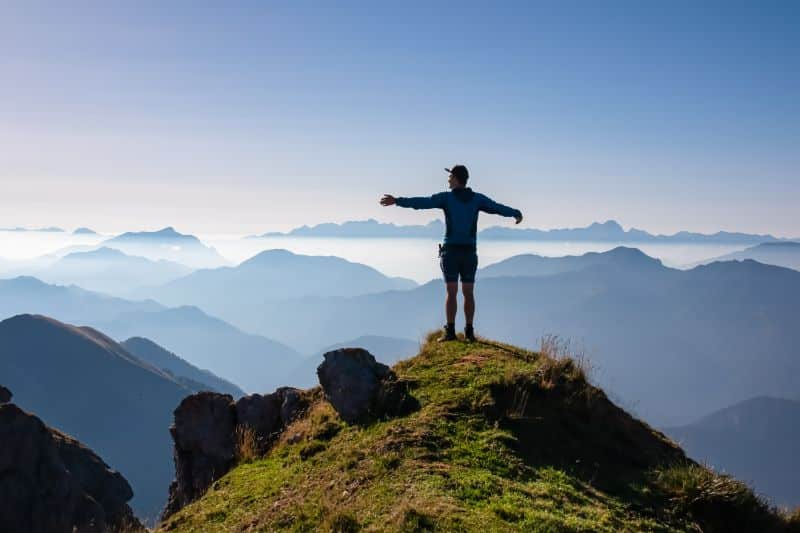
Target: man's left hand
(518, 219)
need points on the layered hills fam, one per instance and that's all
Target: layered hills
(111, 271)
(785, 254)
(655, 334)
(270, 277)
(250, 361)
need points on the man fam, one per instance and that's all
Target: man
(458, 256)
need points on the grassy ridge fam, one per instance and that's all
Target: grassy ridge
(505, 440)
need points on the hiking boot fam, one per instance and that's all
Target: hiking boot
(469, 334)
(448, 333)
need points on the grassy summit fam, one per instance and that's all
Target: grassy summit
(505, 440)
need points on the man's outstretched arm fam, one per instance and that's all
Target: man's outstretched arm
(418, 202)
(493, 208)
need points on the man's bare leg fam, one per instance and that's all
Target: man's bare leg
(469, 310)
(469, 302)
(450, 308)
(451, 302)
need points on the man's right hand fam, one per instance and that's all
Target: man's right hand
(388, 199)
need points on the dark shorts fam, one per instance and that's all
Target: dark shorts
(458, 261)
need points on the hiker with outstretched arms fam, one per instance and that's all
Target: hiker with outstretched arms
(458, 255)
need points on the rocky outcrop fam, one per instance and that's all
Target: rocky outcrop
(362, 389)
(51, 483)
(205, 436)
(208, 425)
(203, 433)
(267, 415)
(5, 395)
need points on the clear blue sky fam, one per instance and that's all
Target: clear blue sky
(248, 116)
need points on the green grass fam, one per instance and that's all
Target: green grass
(504, 440)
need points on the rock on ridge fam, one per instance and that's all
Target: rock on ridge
(51, 483)
(362, 389)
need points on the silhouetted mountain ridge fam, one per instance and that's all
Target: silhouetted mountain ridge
(785, 254)
(81, 381)
(608, 231)
(199, 379)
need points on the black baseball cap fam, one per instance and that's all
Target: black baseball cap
(460, 172)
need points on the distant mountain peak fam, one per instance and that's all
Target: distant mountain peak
(168, 232)
(608, 224)
(84, 231)
(102, 252)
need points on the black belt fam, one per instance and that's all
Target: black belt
(457, 247)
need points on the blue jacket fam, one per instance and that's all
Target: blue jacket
(461, 208)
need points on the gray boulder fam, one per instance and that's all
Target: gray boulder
(360, 388)
(52, 483)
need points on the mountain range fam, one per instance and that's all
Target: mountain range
(785, 254)
(109, 270)
(654, 334)
(609, 231)
(272, 276)
(370, 228)
(252, 362)
(169, 245)
(51, 229)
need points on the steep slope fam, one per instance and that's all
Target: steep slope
(501, 440)
(387, 350)
(755, 440)
(236, 293)
(87, 385)
(163, 359)
(253, 362)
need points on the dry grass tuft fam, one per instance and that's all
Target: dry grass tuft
(717, 501)
(246, 444)
(561, 360)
